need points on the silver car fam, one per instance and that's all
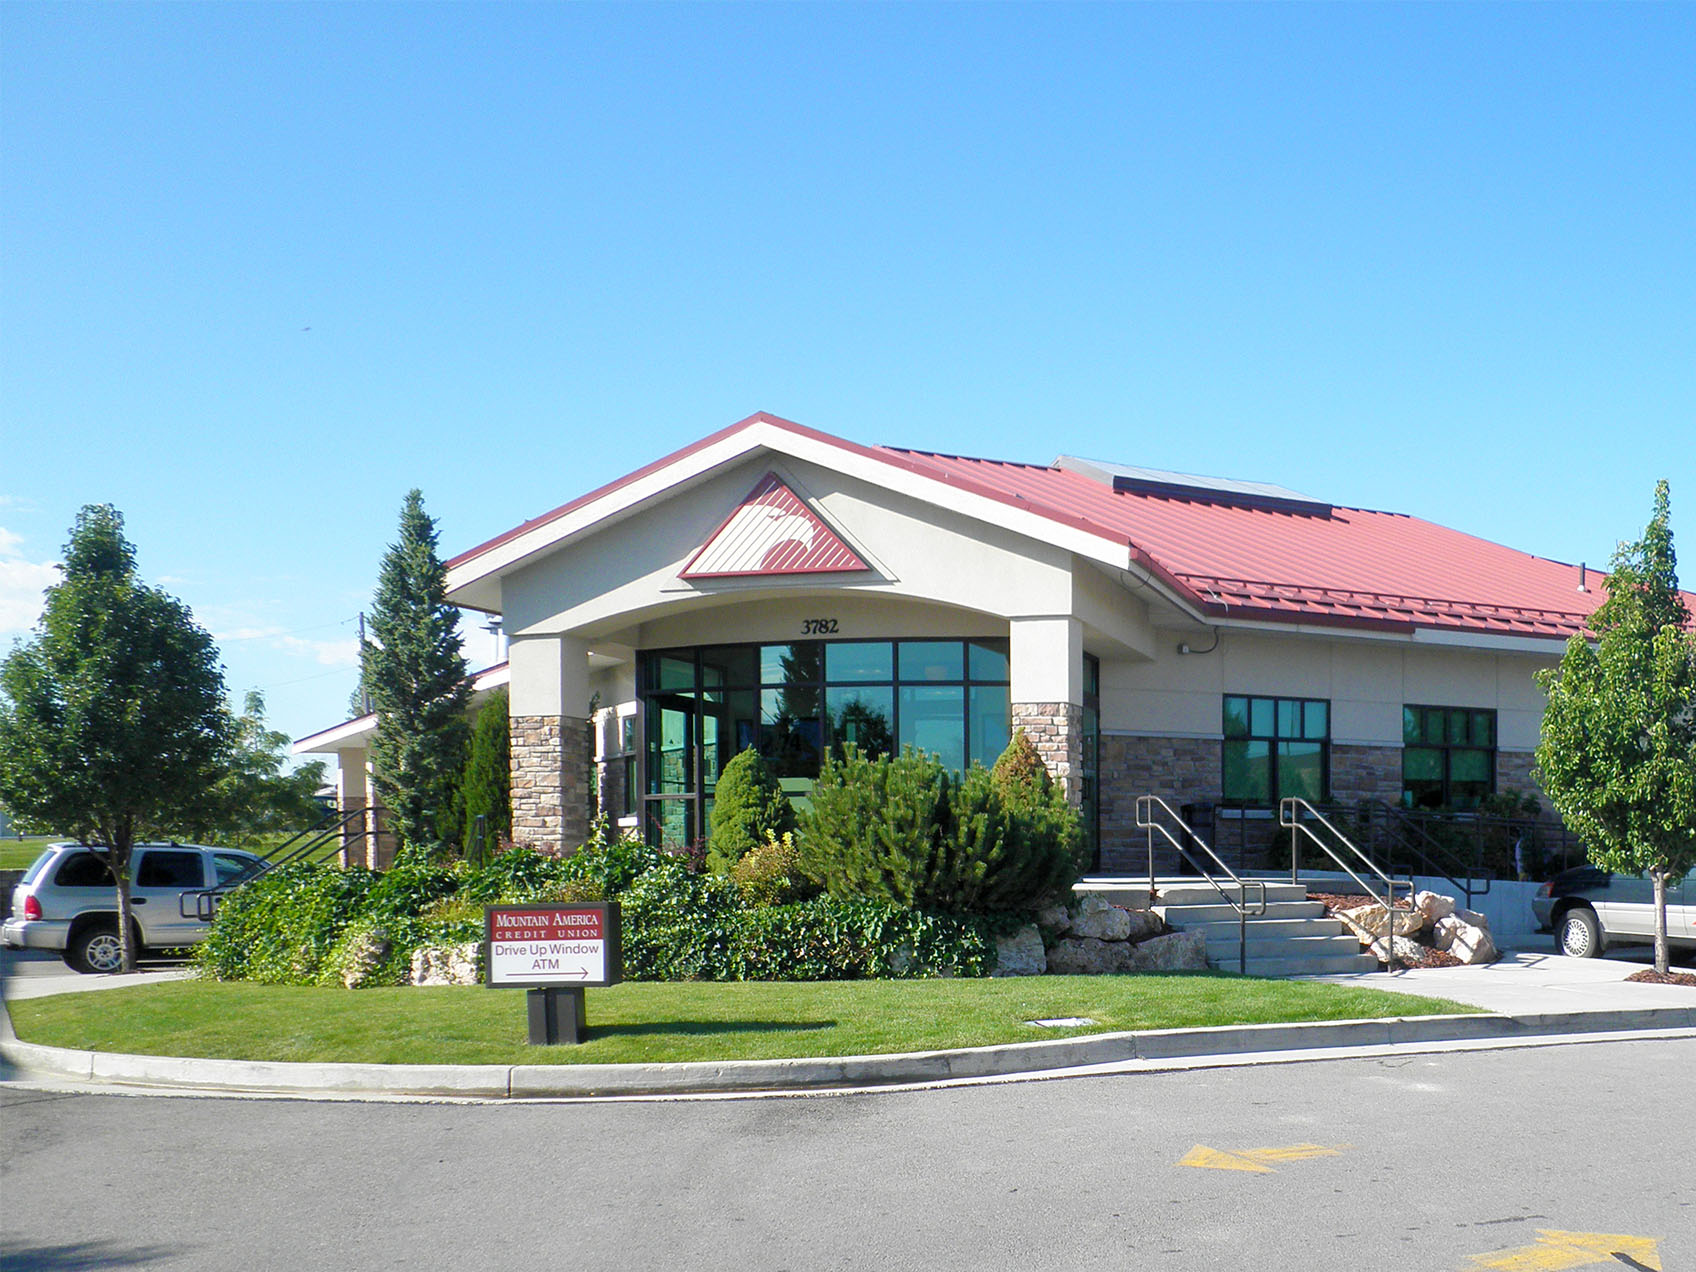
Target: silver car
(1589, 909)
(67, 902)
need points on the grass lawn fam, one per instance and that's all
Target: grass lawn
(650, 1022)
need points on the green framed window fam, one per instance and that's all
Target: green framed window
(1275, 748)
(1448, 756)
(797, 702)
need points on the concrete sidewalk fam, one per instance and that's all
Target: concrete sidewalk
(1531, 997)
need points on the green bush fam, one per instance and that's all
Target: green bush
(831, 939)
(748, 806)
(901, 831)
(282, 928)
(485, 791)
(679, 925)
(770, 874)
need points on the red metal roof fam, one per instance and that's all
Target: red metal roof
(1353, 567)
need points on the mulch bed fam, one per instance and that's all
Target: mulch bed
(1649, 976)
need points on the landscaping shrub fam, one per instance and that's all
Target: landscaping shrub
(770, 874)
(281, 928)
(679, 925)
(900, 830)
(832, 939)
(748, 806)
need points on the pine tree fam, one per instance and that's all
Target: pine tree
(487, 790)
(415, 674)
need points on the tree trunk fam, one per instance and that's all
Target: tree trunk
(1662, 959)
(126, 928)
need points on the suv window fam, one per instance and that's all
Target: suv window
(230, 867)
(84, 870)
(163, 868)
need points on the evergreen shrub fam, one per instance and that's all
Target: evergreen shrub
(748, 806)
(770, 874)
(901, 830)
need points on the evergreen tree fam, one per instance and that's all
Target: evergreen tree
(112, 717)
(1618, 750)
(415, 675)
(748, 806)
(487, 790)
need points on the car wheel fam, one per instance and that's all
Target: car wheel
(1580, 934)
(96, 950)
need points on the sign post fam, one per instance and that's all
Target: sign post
(555, 951)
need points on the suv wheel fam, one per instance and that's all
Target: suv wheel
(96, 949)
(1580, 934)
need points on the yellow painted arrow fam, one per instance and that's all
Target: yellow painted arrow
(1255, 1159)
(1555, 1250)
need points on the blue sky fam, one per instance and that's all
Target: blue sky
(264, 268)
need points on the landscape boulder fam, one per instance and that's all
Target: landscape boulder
(1467, 941)
(1098, 918)
(1368, 922)
(447, 964)
(1020, 954)
(1434, 906)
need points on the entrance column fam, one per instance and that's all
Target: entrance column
(551, 754)
(353, 795)
(1047, 694)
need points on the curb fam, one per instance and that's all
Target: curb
(497, 1082)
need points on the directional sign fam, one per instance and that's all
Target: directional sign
(1556, 1250)
(1255, 1159)
(549, 945)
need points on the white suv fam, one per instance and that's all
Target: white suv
(68, 902)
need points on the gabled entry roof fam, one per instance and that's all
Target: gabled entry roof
(1220, 549)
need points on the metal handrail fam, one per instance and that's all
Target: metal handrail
(1289, 815)
(296, 848)
(1431, 850)
(1239, 903)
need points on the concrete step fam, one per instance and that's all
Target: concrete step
(1328, 966)
(1192, 893)
(1286, 946)
(1130, 894)
(1266, 929)
(1190, 915)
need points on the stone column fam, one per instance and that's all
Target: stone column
(1047, 694)
(550, 736)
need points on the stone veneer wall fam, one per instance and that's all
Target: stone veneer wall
(1366, 773)
(1056, 729)
(1513, 773)
(550, 782)
(1179, 770)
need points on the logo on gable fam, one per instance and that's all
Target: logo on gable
(772, 532)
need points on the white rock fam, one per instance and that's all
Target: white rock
(1468, 942)
(1056, 918)
(1020, 954)
(1143, 924)
(1433, 906)
(1406, 950)
(1105, 924)
(1174, 952)
(1368, 921)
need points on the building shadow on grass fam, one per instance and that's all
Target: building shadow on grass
(644, 1028)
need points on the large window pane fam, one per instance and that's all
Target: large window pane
(668, 748)
(933, 719)
(1236, 717)
(1484, 728)
(1467, 765)
(1289, 718)
(1457, 727)
(863, 715)
(802, 662)
(1301, 770)
(990, 732)
(732, 666)
(1422, 764)
(852, 660)
(674, 674)
(1411, 732)
(1316, 720)
(788, 740)
(932, 660)
(1260, 717)
(1248, 771)
(987, 660)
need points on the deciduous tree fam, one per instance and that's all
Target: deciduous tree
(112, 717)
(1618, 750)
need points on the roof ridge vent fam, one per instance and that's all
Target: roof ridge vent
(1129, 479)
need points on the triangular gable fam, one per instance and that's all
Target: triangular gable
(772, 532)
